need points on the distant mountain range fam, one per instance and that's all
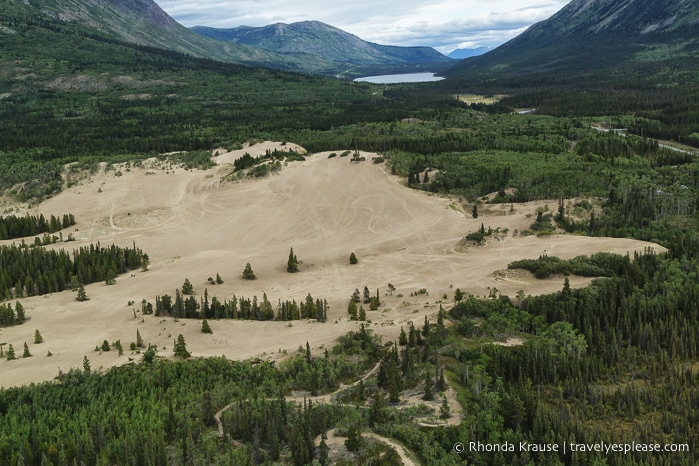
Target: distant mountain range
(597, 41)
(460, 54)
(340, 50)
(310, 47)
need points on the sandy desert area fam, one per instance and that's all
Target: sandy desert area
(193, 225)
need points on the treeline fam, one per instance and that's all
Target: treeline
(34, 271)
(104, 423)
(12, 226)
(240, 308)
(9, 316)
(617, 352)
(172, 420)
(601, 264)
(247, 160)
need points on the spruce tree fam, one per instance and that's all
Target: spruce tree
(354, 437)
(377, 411)
(187, 287)
(444, 410)
(19, 310)
(37, 337)
(139, 339)
(86, 365)
(292, 265)
(248, 274)
(402, 337)
(428, 396)
(10, 354)
(352, 310)
(205, 326)
(367, 295)
(181, 347)
(82, 295)
(323, 450)
(353, 259)
(26, 352)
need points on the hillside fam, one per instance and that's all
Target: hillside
(600, 43)
(319, 41)
(144, 23)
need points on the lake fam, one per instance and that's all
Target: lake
(401, 78)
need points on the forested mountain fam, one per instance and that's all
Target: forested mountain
(140, 22)
(323, 42)
(144, 23)
(593, 42)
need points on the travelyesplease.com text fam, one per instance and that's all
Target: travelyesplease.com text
(599, 447)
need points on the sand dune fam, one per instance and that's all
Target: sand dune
(194, 225)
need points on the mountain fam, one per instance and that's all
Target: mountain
(460, 54)
(337, 48)
(143, 22)
(600, 42)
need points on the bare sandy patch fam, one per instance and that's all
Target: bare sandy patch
(192, 225)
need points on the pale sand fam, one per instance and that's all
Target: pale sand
(193, 226)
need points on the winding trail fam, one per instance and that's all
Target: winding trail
(454, 419)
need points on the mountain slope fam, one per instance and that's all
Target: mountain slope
(326, 43)
(143, 22)
(598, 41)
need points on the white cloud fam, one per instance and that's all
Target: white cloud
(442, 24)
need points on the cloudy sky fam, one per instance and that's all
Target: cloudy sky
(442, 24)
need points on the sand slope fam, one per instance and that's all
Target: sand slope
(193, 225)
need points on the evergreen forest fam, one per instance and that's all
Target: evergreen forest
(616, 362)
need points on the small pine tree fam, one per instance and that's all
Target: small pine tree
(292, 265)
(474, 212)
(354, 437)
(362, 314)
(444, 411)
(26, 352)
(352, 309)
(181, 347)
(139, 339)
(219, 280)
(428, 396)
(402, 337)
(187, 287)
(19, 310)
(353, 259)
(205, 326)
(323, 450)
(82, 295)
(86, 365)
(37, 337)
(10, 354)
(110, 277)
(248, 274)
(105, 346)
(377, 410)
